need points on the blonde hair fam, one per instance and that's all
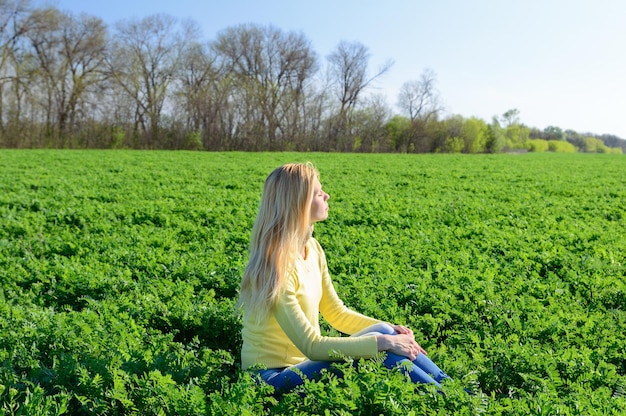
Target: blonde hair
(282, 228)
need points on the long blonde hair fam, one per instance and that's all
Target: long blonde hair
(282, 228)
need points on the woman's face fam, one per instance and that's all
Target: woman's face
(319, 205)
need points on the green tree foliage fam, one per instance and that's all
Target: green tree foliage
(516, 136)
(475, 133)
(495, 137)
(593, 145)
(465, 135)
(398, 132)
(515, 133)
(613, 141)
(553, 133)
(453, 144)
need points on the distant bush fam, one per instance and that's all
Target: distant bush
(537, 145)
(560, 146)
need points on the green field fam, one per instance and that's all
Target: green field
(119, 272)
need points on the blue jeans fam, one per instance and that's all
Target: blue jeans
(421, 370)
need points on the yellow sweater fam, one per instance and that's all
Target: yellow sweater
(292, 332)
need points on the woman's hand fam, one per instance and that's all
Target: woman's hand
(404, 330)
(401, 329)
(402, 344)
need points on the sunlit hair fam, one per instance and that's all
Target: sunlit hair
(282, 227)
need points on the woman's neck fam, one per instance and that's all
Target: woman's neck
(303, 250)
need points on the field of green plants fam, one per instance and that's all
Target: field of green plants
(119, 272)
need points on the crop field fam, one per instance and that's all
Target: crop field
(119, 272)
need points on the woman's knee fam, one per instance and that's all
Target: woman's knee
(381, 328)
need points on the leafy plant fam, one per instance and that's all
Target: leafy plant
(119, 273)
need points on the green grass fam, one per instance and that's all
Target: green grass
(119, 272)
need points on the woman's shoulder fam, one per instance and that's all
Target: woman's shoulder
(316, 248)
(315, 245)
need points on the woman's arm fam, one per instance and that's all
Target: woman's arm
(306, 336)
(308, 340)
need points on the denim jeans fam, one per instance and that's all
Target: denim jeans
(420, 370)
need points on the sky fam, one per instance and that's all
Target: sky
(558, 62)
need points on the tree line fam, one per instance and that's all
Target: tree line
(71, 81)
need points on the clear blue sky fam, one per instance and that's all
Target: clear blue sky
(559, 62)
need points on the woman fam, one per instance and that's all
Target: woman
(286, 285)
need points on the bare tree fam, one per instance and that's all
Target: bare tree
(11, 22)
(419, 99)
(510, 118)
(204, 92)
(370, 121)
(143, 62)
(12, 28)
(83, 44)
(315, 111)
(44, 67)
(348, 66)
(67, 58)
(271, 69)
